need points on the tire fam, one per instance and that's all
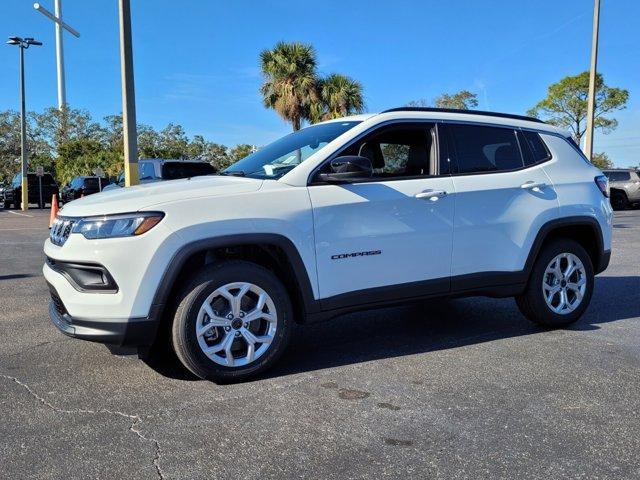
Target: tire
(205, 287)
(532, 302)
(619, 200)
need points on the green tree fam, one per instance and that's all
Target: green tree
(148, 142)
(173, 142)
(601, 160)
(340, 96)
(10, 145)
(112, 133)
(422, 102)
(83, 156)
(56, 127)
(462, 100)
(239, 152)
(218, 156)
(290, 82)
(566, 104)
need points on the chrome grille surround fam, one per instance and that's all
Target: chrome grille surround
(61, 229)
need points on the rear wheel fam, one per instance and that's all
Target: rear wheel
(619, 200)
(560, 286)
(234, 321)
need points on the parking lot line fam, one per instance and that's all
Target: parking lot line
(21, 214)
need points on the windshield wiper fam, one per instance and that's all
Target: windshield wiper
(233, 173)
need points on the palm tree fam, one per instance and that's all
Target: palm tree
(340, 96)
(290, 82)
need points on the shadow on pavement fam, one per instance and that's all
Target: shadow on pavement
(424, 327)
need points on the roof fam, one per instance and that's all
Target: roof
(466, 112)
(351, 118)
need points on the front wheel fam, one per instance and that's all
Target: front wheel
(234, 321)
(560, 285)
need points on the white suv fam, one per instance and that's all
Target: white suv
(344, 215)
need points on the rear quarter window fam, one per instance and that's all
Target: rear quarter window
(618, 176)
(533, 147)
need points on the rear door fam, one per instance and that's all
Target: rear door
(503, 197)
(390, 237)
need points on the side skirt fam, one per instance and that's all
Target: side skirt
(490, 284)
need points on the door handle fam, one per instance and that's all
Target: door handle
(531, 185)
(432, 195)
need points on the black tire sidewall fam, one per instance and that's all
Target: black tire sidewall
(535, 297)
(205, 282)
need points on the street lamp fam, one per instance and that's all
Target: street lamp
(23, 43)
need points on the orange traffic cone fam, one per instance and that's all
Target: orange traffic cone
(54, 209)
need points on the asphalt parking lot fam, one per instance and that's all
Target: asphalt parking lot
(458, 389)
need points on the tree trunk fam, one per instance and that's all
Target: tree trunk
(296, 126)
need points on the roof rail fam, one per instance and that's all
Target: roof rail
(466, 112)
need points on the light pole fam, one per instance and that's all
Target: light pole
(591, 103)
(57, 19)
(23, 44)
(128, 97)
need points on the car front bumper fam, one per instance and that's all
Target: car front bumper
(127, 332)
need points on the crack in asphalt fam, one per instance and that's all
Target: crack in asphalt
(137, 419)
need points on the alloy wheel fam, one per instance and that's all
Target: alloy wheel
(564, 283)
(236, 324)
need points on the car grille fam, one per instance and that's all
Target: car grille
(61, 229)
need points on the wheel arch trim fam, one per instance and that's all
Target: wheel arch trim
(575, 221)
(179, 259)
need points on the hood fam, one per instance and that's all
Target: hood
(132, 199)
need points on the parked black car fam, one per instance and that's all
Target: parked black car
(80, 186)
(13, 193)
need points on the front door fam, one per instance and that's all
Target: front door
(390, 237)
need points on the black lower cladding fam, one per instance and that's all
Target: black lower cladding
(134, 332)
(605, 258)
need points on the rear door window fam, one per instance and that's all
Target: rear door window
(479, 149)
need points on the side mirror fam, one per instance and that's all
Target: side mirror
(348, 168)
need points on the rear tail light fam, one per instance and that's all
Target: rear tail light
(603, 184)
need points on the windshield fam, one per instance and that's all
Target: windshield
(283, 155)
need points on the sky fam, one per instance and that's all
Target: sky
(196, 61)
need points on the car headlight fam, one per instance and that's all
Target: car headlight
(113, 226)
